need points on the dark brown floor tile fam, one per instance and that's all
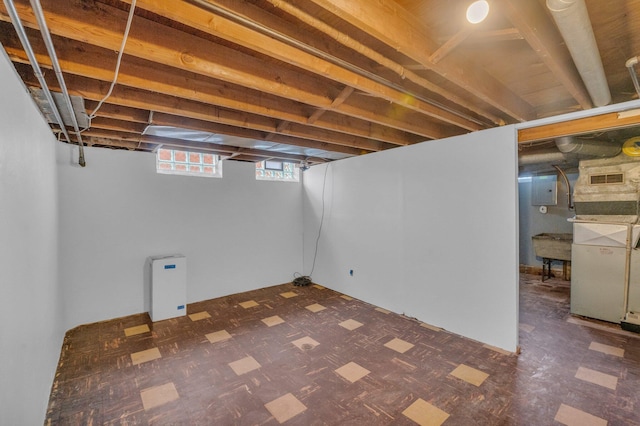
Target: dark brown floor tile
(97, 383)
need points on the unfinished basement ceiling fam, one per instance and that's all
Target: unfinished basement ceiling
(316, 80)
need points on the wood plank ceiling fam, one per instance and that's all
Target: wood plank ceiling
(316, 80)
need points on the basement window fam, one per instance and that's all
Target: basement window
(277, 170)
(178, 162)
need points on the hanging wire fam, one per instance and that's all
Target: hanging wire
(118, 62)
(324, 185)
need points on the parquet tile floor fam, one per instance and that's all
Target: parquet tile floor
(312, 356)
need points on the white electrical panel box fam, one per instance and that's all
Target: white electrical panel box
(168, 287)
(544, 190)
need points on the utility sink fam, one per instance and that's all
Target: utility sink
(553, 246)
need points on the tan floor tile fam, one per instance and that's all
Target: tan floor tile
(218, 336)
(425, 414)
(499, 350)
(345, 297)
(352, 372)
(570, 416)
(138, 329)
(274, 320)
(606, 349)
(399, 345)
(303, 344)
(199, 316)
(244, 365)
(469, 374)
(145, 356)
(315, 307)
(158, 395)
(318, 286)
(285, 407)
(350, 324)
(384, 311)
(596, 377)
(249, 304)
(288, 294)
(526, 327)
(430, 327)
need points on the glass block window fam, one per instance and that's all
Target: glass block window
(177, 162)
(277, 170)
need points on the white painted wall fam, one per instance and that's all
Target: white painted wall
(237, 233)
(31, 329)
(430, 230)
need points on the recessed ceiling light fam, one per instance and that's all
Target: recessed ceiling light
(477, 11)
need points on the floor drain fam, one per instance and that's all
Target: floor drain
(306, 346)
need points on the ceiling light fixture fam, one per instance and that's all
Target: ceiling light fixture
(477, 11)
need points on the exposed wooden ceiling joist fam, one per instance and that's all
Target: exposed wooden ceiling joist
(543, 37)
(336, 77)
(413, 39)
(598, 123)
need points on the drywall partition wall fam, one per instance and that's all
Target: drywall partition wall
(237, 233)
(31, 329)
(532, 222)
(423, 229)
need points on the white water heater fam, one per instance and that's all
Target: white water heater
(168, 287)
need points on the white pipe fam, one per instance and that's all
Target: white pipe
(22, 35)
(541, 158)
(46, 36)
(573, 21)
(586, 147)
(631, 63)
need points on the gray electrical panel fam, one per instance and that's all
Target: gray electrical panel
(544, 190)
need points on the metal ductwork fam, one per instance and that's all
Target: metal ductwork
(549, 157)
(570, 150)
(573, 21)
(587, 147)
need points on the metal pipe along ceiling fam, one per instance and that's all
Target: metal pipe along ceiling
(46, 36)
(22, 35)
(631, 63)
(572, 19)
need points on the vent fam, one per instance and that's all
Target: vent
(606, 179)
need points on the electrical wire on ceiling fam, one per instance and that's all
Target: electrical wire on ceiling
(118, 62)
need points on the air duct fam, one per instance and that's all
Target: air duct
(570, 149)
(550, 157)
(573, 21)
(587, 147)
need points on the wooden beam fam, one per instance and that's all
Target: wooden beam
(339, 100)
(267, 45)
(150, 100)
(206, 126)
(506, 34)
(194, 146)
(90, 89)
(390, 23)
(117, 125)
(451, 44)
(543, 37)
(118, 112)
(580, 126)
(160, 79)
